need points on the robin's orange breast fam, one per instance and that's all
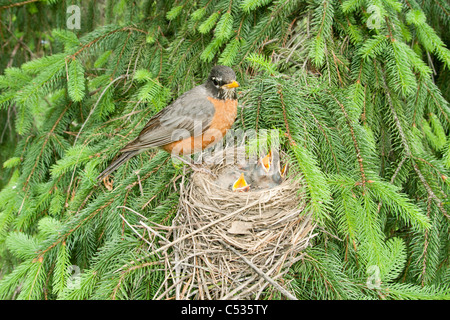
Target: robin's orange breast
(224, 117)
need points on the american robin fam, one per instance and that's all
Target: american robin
(196, 120)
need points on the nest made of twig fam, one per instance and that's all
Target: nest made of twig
(234, 245)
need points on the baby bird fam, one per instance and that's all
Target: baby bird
(265, 174)
(241, 184)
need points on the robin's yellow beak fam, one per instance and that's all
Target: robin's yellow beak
(241, 184)
(233, 84)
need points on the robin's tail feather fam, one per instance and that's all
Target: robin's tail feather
(124, 157)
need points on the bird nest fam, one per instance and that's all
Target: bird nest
(235, 245)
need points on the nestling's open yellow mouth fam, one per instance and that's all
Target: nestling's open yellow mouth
(241, 184)
(267, 161)
(283, 171)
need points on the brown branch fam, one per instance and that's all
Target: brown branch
(441, 7)
(64, 236)
(438, 104)
(320, 126)
(409, 154)
(335, 59)
(130, 186)
(425, 247)
(355, 142)
(124, 273)
(283, 106)
(44, 144)
(121, 53)
(323, 19)
(415, 102)
(88, 45)
(429, 190)
(398, 169)
(18, 4)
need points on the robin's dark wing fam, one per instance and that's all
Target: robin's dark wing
(191, 114)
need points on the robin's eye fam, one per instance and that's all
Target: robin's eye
(215, 81)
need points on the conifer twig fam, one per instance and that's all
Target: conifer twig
(88, 45)
(132, 268)
(17, 4)
(286, 123)
(64, 236)
(355, 142)
(44, 144)
(409, 154)
(320, 126)
(96, 104)
(400, 165)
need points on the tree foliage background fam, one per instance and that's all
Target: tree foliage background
(358, 89)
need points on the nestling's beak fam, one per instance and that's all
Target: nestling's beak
(284, 170)
(241, 184)
(267, 161)
(233, 84)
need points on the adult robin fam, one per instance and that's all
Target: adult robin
(196, 120)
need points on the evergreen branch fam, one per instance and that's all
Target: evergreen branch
(121, 53)
(416, 292)
(130, 186)
(400, 205)
(258, 114)
(18, 4)
(429, 190)
(435, 99)
(35, 279)
(127, 271)
(75, 80)
(355, 142)
(409, 154)
(286, 123)
(398, 169)
(69, 232)
(442, 7)
(44, 144)
(425, 245)
(96, 104)
(91, 43)
(329, 142)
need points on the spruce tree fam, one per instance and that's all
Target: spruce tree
(358, 90)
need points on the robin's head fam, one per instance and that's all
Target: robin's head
(222, 82)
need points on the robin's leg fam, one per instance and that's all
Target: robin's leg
(193, 166)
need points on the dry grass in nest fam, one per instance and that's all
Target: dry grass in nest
(234, 245)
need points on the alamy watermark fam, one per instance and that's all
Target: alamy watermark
(374, 21)
(374, 278)
(74, 280)
(74, 20)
